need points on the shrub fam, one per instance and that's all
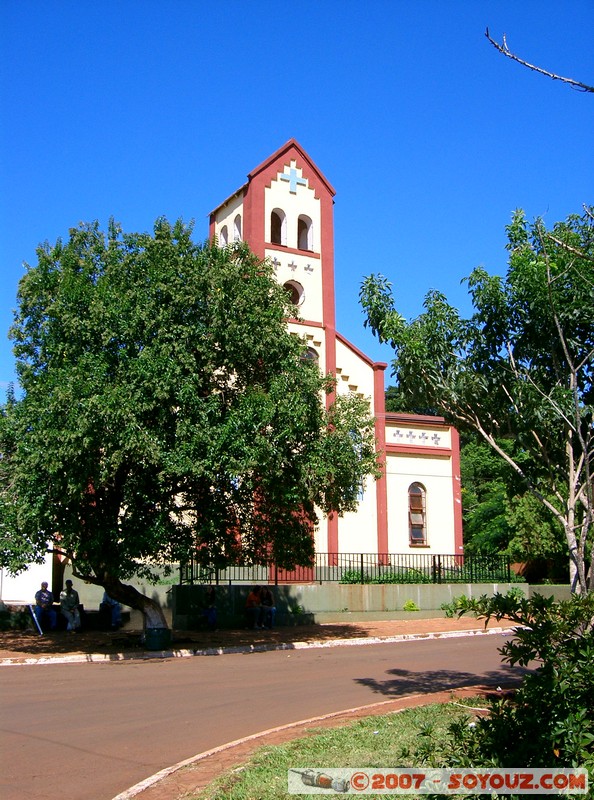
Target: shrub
(549, 721)
(355, 576)
(11, 619)
(404, 575)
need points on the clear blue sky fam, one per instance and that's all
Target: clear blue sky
(431, 138)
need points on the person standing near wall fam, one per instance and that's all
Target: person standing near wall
(210, 610)
(268, 608)
(253, 608)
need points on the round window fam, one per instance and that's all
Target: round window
(295, 292)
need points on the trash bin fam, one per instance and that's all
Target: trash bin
(157, 638)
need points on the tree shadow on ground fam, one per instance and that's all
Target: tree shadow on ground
(405, 681)
(30, 643)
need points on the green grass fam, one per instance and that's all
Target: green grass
(377, 742)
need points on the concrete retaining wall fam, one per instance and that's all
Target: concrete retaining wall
(337, 602)
(297, 604)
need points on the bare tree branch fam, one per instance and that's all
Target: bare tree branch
(503, 48)
(569, 248)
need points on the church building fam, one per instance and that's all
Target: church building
(285, 213)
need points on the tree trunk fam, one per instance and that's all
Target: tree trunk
(124, 593)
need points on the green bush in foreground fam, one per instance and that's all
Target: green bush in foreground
(549, 721)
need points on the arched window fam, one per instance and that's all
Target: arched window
(417, 514)
(278, 227)
(237, 228)
(295, 292)
(311, 355)
(304, 233)
(223, 237)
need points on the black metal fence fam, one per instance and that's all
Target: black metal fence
(360, 568)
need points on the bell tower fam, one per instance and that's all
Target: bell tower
(285, 213)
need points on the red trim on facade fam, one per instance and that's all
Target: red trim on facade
(354, 349)
(457, 493)
(253, 217)
(280, 154)
(281, 248)
(327, 248)
(332, 530)
(381, 485)
(423, 450)
(308, 322)
(418, 420)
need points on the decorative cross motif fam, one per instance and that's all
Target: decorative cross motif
(398, 435)
(410, 436)
(293, 179)
(276, 262)
(423, 436)
(308, 268)
(293, 266)
(436, 438)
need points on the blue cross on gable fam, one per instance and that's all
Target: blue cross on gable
(294, 180)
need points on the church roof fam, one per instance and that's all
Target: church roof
(293, 145)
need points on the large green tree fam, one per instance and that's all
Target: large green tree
(500, 515)
(521, 366)
(165, 409)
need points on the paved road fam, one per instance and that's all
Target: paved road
(89, 731)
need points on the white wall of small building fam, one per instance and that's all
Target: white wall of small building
(21, 588)
(357, 530)
(435, 474)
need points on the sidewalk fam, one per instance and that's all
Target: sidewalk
(18, 647)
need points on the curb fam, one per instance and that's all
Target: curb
(396, 704)
(103, 658)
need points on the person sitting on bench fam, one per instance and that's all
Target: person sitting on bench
(69, 606)
(114, 610)
(44, 607)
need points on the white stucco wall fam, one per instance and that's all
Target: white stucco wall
(435, 473)
(303, 201)
(305, 267)
(304, 270)
(357, 530)
(226, 216)
(418, 435)
(353, 373)
(21, 588)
